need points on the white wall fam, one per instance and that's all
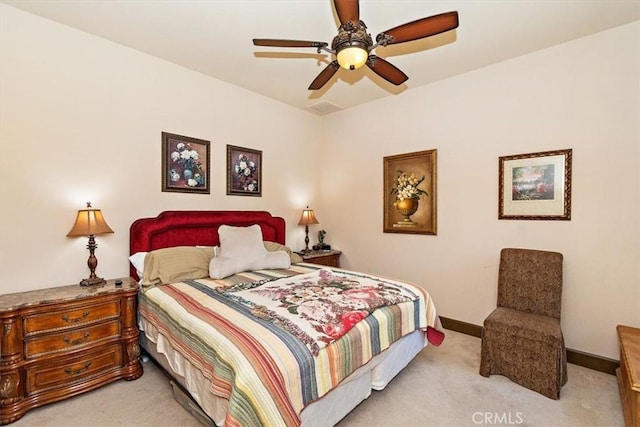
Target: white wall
(583, 95)
(81, 120)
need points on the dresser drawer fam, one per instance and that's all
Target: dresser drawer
(71, 338)
(60, 342)
(70, 370)
(329, 260)
(71, 317)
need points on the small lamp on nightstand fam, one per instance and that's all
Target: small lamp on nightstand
(308, 217)
(90, 222)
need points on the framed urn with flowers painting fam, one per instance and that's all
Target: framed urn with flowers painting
(409, 197)
(185, 164)
(244, 171)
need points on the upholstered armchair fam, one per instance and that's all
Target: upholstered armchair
(522, 338)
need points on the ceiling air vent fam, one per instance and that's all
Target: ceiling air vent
(323, 108)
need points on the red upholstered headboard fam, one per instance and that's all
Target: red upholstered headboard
(191, 228)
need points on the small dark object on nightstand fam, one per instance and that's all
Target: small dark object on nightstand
(118, 282)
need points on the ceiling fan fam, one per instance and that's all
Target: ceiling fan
(353, 45)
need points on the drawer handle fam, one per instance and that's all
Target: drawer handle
(74, 319)
(78, 371)
(76, 341)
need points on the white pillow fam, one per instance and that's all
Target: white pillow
(276, 259)
(221, 267)
(242, 249)
(241, 242)
(274, 246)
(137, 260)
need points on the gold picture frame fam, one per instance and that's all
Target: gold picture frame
(535, 186)
(420, 172)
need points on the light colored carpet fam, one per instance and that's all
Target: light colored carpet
(441, 387)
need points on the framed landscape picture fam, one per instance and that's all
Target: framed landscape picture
(535, 186)
(185, 164)
(409, 198)
(244, 171)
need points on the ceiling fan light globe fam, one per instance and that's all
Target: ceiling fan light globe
(352, 58)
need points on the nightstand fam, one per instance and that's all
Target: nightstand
(59, 342)
(329, 258)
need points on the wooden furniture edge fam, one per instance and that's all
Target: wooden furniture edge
(576, 357)
(628, 374)
(626, 410)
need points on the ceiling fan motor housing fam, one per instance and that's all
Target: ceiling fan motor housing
(352, 35)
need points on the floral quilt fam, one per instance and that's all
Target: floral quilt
(268, 375)
(318, 308)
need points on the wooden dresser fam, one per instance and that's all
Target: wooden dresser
(330, 258)
(629, 374)
(59, 342)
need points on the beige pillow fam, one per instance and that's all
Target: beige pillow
(175, 264)
(274, 246)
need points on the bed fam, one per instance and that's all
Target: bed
(239, 361)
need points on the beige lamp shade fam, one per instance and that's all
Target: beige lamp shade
(89, 222)
(308, 217)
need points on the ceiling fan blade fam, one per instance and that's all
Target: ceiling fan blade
(347, 10)
(419, 29)
(288, 43)
(386, 70)
(324, 76)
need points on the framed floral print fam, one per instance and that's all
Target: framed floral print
(185, 164)
(535, 186)
(409, 197)
(244, 171)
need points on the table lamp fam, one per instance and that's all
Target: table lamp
(308, 217)
(90, 222)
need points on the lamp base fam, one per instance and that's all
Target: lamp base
(93, 282)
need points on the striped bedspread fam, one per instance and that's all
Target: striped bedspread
(267, 375)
